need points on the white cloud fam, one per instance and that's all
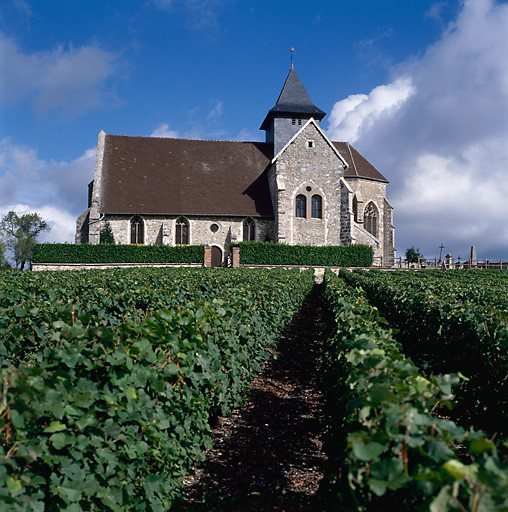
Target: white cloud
(360, 112)
(216, 112)
(453, 203)
(195, 132)
(438, 132)
(248, 135)
(57, 189)
(71, 81)
(62, 224)
(163, 131)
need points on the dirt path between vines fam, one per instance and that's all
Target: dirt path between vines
(268, 455)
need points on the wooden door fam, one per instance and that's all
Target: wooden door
(216, 256)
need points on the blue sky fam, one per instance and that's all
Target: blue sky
(419, 87)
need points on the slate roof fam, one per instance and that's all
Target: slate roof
(293, 99)
(156, 176)
(148, 175)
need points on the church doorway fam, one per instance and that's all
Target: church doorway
(216, 256)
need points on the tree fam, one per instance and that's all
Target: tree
(107, 236)
(413, 255)
(3, 260)
(20, 235)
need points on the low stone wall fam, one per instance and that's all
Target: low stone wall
(105, 266)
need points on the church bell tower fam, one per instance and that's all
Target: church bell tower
(292, 110)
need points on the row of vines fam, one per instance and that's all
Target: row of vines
(108, 378)
(452, 322)
(408, 392)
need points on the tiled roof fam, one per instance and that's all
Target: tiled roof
(359, 167)
(147, 175)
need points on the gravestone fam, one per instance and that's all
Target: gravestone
(473, 261)
(449, 260)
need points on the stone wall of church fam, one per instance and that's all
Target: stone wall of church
(284, 130)
(389, 236)
(346, 213)
(83, 227)
(374, 191)
(275, 185)
(363, 237)
(161, 230)
(308, 166)
(230, 231)
(96, 192)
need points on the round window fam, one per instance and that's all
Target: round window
(308, 189)
(214, 228)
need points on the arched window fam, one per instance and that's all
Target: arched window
(249, 230)
(370, 218)
(317, 207)
(301, 206)
(137, 230)
(182, 231)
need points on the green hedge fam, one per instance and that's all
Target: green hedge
(253, 253)
(267, 253)
(110, 253)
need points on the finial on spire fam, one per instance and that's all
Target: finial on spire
(291, 50)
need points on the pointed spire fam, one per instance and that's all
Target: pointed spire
(293, 99)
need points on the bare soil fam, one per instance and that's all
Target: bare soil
(268, 455)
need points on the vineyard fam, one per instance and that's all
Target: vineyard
(110, 380)
(403, 443)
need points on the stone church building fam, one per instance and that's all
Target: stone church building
(297, 187)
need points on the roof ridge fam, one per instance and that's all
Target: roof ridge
(183, 138)
(352, 158)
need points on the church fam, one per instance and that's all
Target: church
(298, 187)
